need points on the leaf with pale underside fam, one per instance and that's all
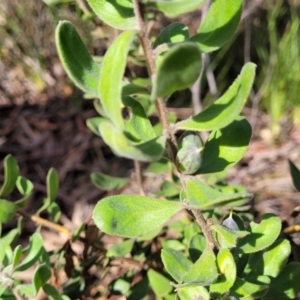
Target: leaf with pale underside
(118, 14)
(174, 8)
(11, 173)
(225, 109)
(179, 68)
(219, 25)
(223, 149)
(111, 77)
(77, 61)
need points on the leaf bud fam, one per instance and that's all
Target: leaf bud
(230, 223)
(189, 156)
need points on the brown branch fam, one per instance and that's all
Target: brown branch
(205, 228)
(159, 103)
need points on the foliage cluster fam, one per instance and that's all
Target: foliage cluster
(210, 257)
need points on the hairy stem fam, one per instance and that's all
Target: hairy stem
(139, 177)
(159, 103)
(205, 228)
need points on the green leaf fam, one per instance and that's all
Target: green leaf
(7, 210)
(93, 124)
(179, 69)
(159, 284)
(227, 270)
(174, 8)
(173, 33)
(223, 149)
(123, 147)
(11, 173)
(175, 263)
(132, 216)
(219, 24)
(25, 187)
(193, 292)
(129, 89)
(295, 175)
(286, 285)
(197, 244)
(77, 61)
(5, 250)
(27, 290)
(261, 235)
(173, 244)
(118, 14)
(226, 109)
(108, 183)
(120, 250)
(54, 212)
(34, 252)
(17, 255)
(138, 124)
(204, 270)
(52, 184)
(111, 77)
(226, 237)
(202, 196)
(51, 291)
(168, 189)
(269, 263)
(41, 275)
(248, 291)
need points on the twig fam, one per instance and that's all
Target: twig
(43, 222)
(159, 103)
(292, 229)
(205, 229)
(139, 176)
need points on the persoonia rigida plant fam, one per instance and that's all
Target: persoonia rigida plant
(236, 262)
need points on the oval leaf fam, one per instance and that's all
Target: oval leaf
(193, 292)
(11, 173)
(173, 33)
(227, 108)
(111, 75)
(269, 263)
(121, 146)
(52, 184)
(227, 269)
(179, 69)
(34, 252)
(108, 183)
(118, 14)
(261, 235)
(77, 61)
(120, 250)
(243, 289)
(132, 216)
(138, 125)
(175, 8)
(159, 284)
(219, 24)
(25, 187)
(223, 149)
(204, 270)
(175, 263)
(7, 210)
(295, 172)
(286, 285)
(41, 275)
